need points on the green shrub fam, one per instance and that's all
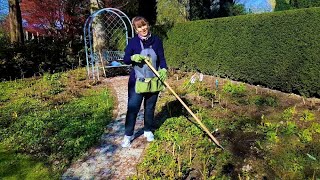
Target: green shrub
(278, 50)
(37, 57)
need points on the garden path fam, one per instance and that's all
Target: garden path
(109, 160)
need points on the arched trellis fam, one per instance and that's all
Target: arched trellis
(106, 33)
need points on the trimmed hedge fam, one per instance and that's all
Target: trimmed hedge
(37, 57)
(279, 50)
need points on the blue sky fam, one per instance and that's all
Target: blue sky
(4, 7)
(256, 6)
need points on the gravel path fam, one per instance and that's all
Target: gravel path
(110, 160)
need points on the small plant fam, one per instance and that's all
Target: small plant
(55, 82)
(269, 126)
(265, 101)
(290, 128)
(236, 90)
(315, 127)
(272, 136)
(207, 93)
(289, 113)
(305, 135)
(307, 116)
(271, 130)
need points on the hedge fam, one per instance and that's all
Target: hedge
(278, 50)
(38, 57)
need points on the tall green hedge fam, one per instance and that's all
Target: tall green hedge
(279, 50)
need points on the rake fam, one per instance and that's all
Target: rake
(184, 105)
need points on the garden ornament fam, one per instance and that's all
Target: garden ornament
(194, 78)
(185, 106)
(200, 77)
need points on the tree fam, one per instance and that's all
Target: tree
(207, 9)
(77, 11)
(129, 7)
(172, 11)
(148, 9)
(15, 20)
(114, 4)
(58, 18)
(62, 18)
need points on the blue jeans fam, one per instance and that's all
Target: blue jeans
(134, 103)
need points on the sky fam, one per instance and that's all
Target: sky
(4, 7)
(258, 6)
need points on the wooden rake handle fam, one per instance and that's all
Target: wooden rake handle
(185, 106)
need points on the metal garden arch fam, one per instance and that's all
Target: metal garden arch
(106, 33)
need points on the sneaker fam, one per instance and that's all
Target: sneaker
(126, 142)
(149, 135)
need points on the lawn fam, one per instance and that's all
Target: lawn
(19, 166)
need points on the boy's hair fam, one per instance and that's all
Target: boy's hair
(139, 21)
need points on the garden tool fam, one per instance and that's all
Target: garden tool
(184, 105)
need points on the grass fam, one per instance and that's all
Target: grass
(19, 166)
(49, 121)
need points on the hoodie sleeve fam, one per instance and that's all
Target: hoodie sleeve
(128, 52)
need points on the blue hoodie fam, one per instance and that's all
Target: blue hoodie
(134, 47)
